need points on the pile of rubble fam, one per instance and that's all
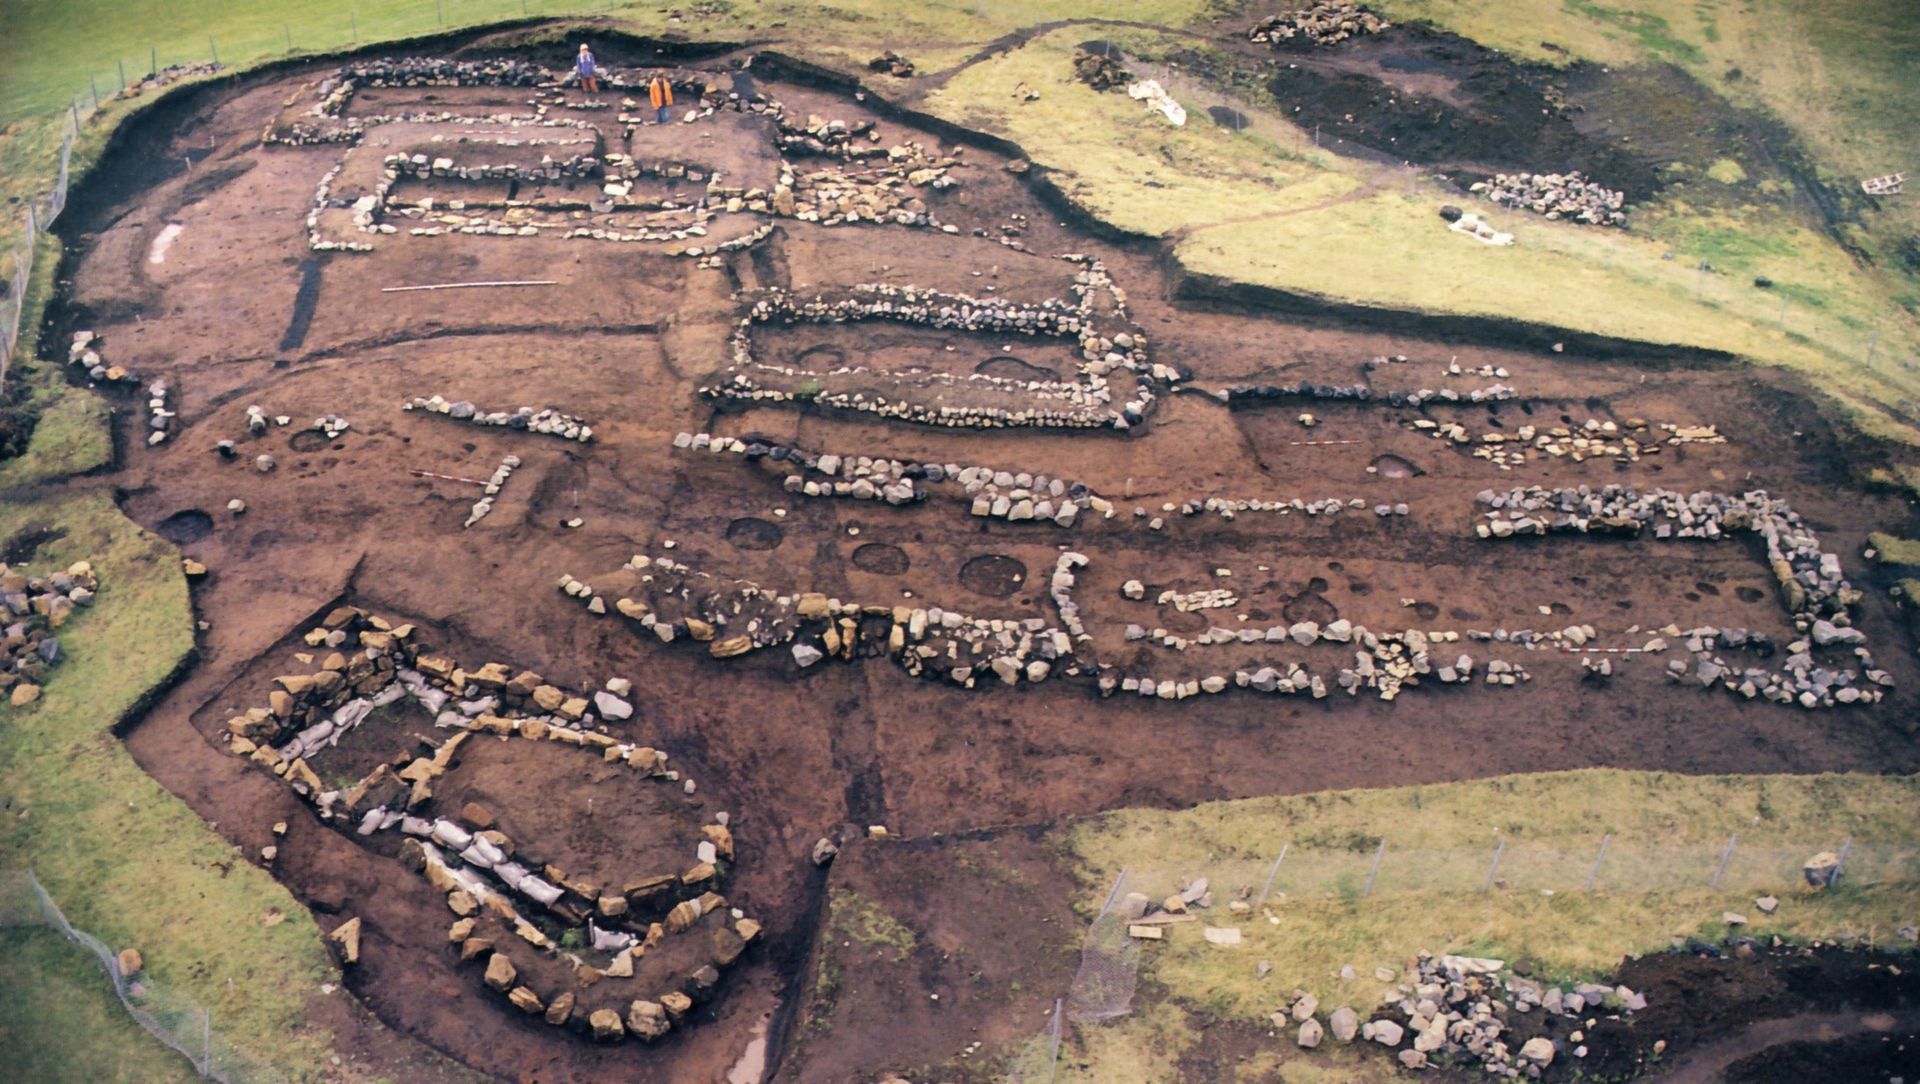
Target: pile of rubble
(672, 602)
(1557, 196)
(1461, 1009)
(1624, 442)
(84, 353)
(999, 494)
(1100, 71)
(493, 883)
(1326, 22)
(1056, 404)
(547, 422)
(32, 609)
(893, 64)
(1245, 395)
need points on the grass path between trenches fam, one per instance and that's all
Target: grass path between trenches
(1667, 837)
(126, 860)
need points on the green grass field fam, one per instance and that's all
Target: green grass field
(56, 984)
(1668, 833)
(126, 860)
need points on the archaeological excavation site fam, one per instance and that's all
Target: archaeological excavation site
(717, 572)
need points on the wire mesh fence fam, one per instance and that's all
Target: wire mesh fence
(1369, 866)
(1362, 868)
(181, 1023)
(40, 213)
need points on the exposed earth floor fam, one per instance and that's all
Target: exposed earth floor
(191, 257)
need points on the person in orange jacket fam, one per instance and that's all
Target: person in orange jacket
(660, 93)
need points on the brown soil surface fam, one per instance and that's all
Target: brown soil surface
(625, 339)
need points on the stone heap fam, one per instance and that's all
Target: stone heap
(492, 489)
(1460, 1009)
(893, 64)
(547, 422)
(1325, 22)
(33, 608)
(1081, 405)
(1389, 662)
(1557, 196)
(493, 882)
(330, 426)
(1100, 71)
(1812, 584)
(1008, 495)
(1624, 442)
(84, 353)
(734, 617)
(159, 416)
(1245, 395)
(1228, 508)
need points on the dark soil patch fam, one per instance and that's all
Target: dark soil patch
(1873, 1055)
(1227, 117)
(1309, 606)
(1008, 367)
(1433, 98)
(307, 440)
(820, 357)
(751, 533)
(882, 558)
(1181, 621)
(994, 575)
(188, 525)
(21, 547)
(1695, 1002)
(304, 301)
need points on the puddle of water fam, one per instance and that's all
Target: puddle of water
(158, 253)
(753, 1061)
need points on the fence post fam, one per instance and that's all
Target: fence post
(355, 16)
(1841, 864)
(206, 1042)
(439, 15)
(76, 113)
(1053, 1053)
(94, 85)
(123, 72)
(1495, 868)
(289, 29)
(1594, 874)
(1271, 874)
(1375, 871)
(153, 60)
(1725, 857)
(213, 48)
